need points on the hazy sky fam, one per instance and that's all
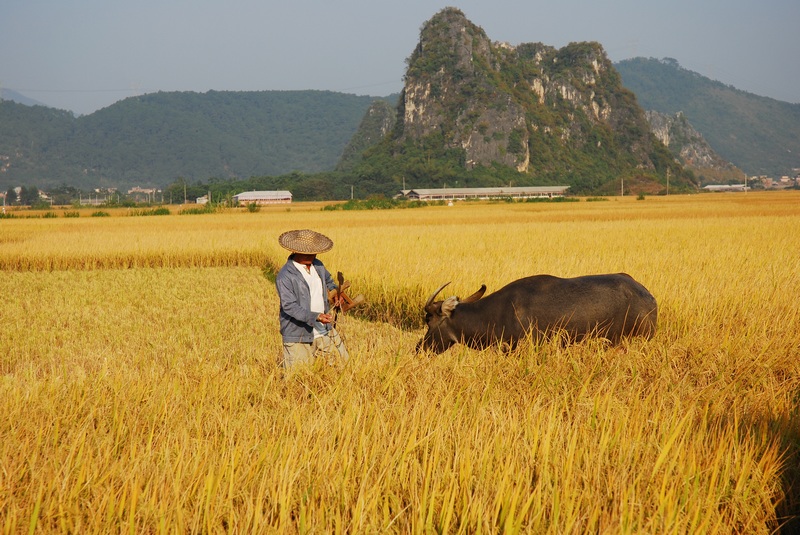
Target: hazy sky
(83, 55)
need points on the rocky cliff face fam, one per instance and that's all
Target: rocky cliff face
(449, 91)
(691, 149)
(544, 112)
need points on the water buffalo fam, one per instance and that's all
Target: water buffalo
(612, 306)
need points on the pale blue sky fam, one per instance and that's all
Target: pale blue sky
(83, 55)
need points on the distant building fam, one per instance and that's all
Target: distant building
(137, 189)
(147, 193)
(728, 187)
(261, 198)
(454, 194)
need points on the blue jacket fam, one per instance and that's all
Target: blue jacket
(296, 318)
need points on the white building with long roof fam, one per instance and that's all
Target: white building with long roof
(453, 194)
(263, 197)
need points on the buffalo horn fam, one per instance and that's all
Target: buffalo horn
(431, 298)
(476, 296)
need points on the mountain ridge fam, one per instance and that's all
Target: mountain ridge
(15, 96)
(691, 148)
(487, 113)
(760, 135)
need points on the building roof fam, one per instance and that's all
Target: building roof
(727, 187)
(485, 193)
(256, 195)
(489, 191)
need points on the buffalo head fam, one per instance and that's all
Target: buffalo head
(440, 336)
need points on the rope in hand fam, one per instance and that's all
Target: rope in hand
(337, 306)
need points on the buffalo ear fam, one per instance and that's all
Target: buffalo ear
(448, 305)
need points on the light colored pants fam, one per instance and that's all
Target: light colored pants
(322, 347)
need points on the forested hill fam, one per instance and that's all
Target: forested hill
(758, 134)
(153, 139)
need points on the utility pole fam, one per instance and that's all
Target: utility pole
(621, 187)
(668, 181)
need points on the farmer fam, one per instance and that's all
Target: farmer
(303, 284)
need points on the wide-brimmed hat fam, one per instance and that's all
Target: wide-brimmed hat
(305, 241)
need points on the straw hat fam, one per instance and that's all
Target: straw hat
(305, 241)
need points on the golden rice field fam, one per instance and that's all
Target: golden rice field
(140, 392)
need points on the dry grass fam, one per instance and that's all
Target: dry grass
(140, 390)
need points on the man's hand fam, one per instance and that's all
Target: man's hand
(324, 318)
(335, 298)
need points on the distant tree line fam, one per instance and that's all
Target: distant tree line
(27, 196)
